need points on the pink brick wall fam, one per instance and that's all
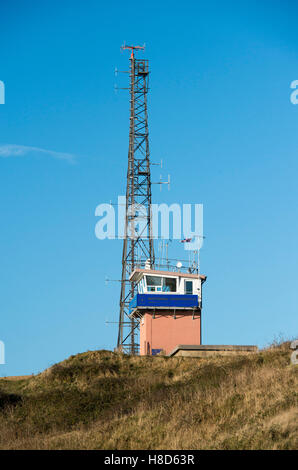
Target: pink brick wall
(165, 332)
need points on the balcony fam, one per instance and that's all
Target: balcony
(164, 301)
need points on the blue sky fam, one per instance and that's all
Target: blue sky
(221, 119)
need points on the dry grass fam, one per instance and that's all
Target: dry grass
(17, 377)
(103, 400)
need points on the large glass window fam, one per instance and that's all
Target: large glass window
(153, 283)
(169, 284)
(161, 284)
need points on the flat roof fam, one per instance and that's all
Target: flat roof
(212, 347)
(136, 274)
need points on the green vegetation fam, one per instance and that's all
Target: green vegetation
(105, 400)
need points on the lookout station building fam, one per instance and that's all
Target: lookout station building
(168, 305)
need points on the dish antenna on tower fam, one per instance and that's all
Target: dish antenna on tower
(179, 265)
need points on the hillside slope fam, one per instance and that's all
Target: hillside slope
(103, 400)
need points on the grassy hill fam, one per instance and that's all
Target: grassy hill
(104, 400)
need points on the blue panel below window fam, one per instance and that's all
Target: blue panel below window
(164, 300)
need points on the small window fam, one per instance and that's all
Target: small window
(188, 287)
(169, 284)
(151, 288)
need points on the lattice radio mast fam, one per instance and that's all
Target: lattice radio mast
(137, 245)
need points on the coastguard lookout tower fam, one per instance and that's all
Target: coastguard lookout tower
(164, 305)
(168, 307)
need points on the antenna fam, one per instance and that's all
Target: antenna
(160, 182)
(133, 48)
(157, 164)
(140, 246)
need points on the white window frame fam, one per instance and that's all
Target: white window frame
(161, 286)
(185, 281)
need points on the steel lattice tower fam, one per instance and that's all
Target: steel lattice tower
(137, 245)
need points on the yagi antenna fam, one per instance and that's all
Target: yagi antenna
(163, 182)
(157, 164)
(107, 280)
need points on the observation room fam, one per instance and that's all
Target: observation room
(166, 282)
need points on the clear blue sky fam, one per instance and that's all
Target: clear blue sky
(220, 118)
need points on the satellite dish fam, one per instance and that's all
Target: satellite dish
(179, 265)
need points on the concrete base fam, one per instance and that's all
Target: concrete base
(186, 350)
